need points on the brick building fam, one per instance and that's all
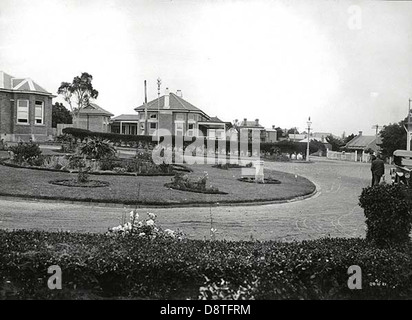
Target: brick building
(175, 114)
(25, 110)
(93, 118)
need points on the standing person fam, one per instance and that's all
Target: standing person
(378, 170)
(373, 158)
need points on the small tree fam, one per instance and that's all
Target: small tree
(78, 93)
(98, 149)
(60, 114)
(393, 138)
(336, 143)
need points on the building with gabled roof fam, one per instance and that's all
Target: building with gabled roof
(178, 116)
(361, 143)
(25, 109)
(93, 118)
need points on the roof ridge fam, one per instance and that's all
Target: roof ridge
(178, 99)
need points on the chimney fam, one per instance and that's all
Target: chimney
(257, 122)
(360, 133)
(179, 93)
(167, 101)
(145, 92)
(273, 127)
(245, 121)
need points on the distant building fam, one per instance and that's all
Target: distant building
(252, 127)
(271, 134)
(25, 110)
(179, 117)
(297, 137)
(93, 118)
(125, 124)
(361, 143)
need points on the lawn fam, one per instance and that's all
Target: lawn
(151, 190)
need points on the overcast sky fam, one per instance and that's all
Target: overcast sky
(346, 67)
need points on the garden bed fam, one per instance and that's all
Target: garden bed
(104, 266)
(172, 186)
(76, 184)
(175, 168)
(253, 180)
(150, 190)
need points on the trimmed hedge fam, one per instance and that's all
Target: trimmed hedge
(266, 147)
(388, 215)
(99, 265)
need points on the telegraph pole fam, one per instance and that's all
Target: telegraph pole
(408, 135)
(159, 82)
(307, 147)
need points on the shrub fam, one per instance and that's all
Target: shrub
(28, 152)
(147, 228)
(388, 217)
(107, 164)
(52, 163)
(182, 181)
(97, 149)
(137, 267)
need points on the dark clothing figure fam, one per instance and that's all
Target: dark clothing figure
(378, 170)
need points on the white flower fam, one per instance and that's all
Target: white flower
(151, 215)
(142, 234)
(134, 215)
(117, 229)
(169, 232)
(150, 222)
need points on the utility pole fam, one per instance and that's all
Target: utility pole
(408, 133)
(307, 148)
(159, 82)
(376, 127)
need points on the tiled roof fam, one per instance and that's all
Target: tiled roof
(361, 142)
(250, 124)
(175, 103)
(94, 109)
(215, 119)
(126, 117)
(9, 82)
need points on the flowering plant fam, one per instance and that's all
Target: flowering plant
(146, 228)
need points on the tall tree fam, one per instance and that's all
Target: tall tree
(349, 138)
(393, 138)
(336, 143)
(78, 93)
(293, 131)
(60, 114)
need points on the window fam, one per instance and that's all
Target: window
(220, 134)
(179, 129)
(153, 116)
(38, 114)
(179, 116)
(142, 115)
(191, 116)
(142, 129)
(22, 111)
(212, 134)
(190, 129)
(153, 125)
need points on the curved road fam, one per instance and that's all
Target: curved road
(333, 211)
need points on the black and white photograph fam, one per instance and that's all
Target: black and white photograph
(181, 153)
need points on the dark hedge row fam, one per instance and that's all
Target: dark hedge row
(97, 265)
(266, 147)
(388, 214)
